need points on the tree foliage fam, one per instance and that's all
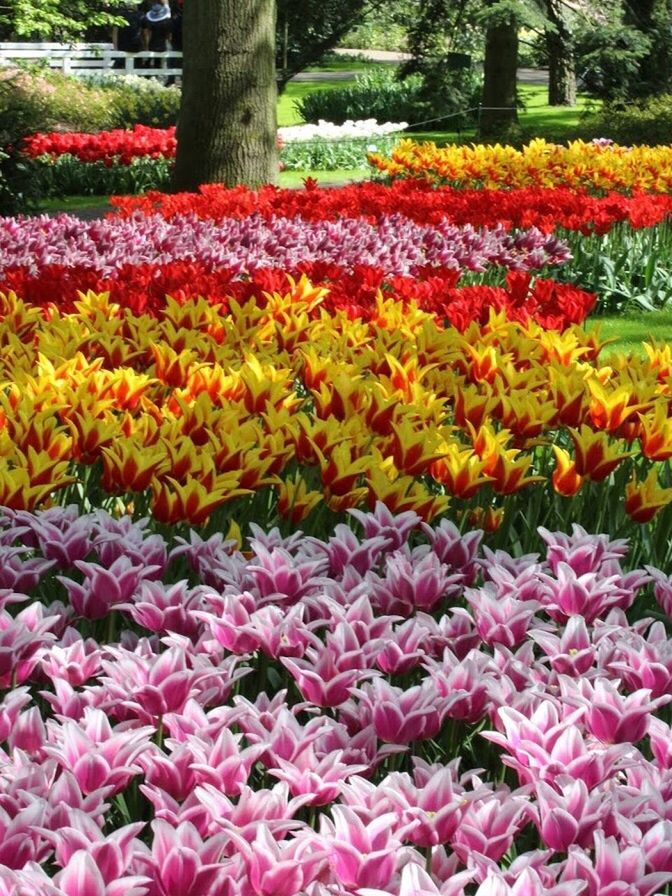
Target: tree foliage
(53, 19)
(306, 30)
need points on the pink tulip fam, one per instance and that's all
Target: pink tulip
(21, 638)
(82, 877)
(403, 649)
(572, 651)
(500, 619)
(644, 663)
(545, 746)
(73, 659)
(403, 716)
(489, 825)
(344, 550)
(279, 868)
(63, 535)
(19, 573)
(614, 869)
(465, 684)
(167, 609)
(104, 589)
(527, 884)
(410, 584)
(394, 528)
(568, 813)
(279, 577)
(432, 809)
(323, 678)
(96, 754)
(611, 717)
(182, 862)
(318, 779)
(361, 855)
(221, 762)
(272, 807)
(581, 551)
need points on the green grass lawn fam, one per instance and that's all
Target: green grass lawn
(295, 91)
(630, 330)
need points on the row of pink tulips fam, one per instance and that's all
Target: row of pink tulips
(396, 244)
(191, 718)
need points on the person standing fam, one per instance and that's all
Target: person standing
(157, 27)
(128, 38)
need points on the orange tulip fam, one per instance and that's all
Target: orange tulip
(126, 388)
(526, 415)
(342, 468)
(473, 405)
(594, 454)
(340, 398)
(400, 493)
(89, 435)
(644, 499)
(191, 501)
(609, 411)
(508, 472)
(656, 434)
(412, 449)
(569, 396)
(129, 468)
(173, 368)
(489, 519)
(295, 499)
(460, 471)
(566, 481)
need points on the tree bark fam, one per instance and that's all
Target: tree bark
(227, 125)
(500, 70)
(561, 70)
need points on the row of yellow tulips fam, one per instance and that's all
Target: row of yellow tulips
(195, 409)
(598, 165)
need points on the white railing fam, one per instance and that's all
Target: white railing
(91, 58)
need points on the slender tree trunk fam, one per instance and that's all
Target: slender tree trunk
(227, 126)
(561, 71)
(500, 70)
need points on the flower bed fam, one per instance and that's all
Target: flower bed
(329, 413)
(397, 245)
(389, 711)
(253, 640)
(138, 159)
(544, 208)
(597, 165)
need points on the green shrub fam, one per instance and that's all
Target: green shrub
(374, 94)
(332, 155)
(647, 123)
(381, 95)
(65, 102)
(19, 116)
(96, 103)
(68, 176)
(135, 100)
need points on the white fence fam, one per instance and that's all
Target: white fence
(87, 59)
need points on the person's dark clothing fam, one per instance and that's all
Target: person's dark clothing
(176, 38)
(159, 34)
(129, 36)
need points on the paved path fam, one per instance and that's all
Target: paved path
(525, 75)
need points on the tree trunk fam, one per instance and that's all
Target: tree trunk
(561, 71)
(227, 125)
(500, 70)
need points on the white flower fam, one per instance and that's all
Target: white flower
(349, 130)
